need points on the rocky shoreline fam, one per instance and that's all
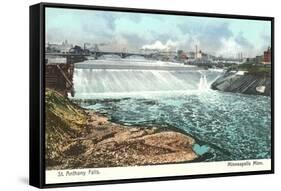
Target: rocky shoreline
(243, 82)
(76, 138)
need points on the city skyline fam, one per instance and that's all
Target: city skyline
(133, 31)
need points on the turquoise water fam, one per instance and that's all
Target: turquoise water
(233, 127)
(226, 126)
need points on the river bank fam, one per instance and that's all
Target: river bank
(244, 82)
(78, 138)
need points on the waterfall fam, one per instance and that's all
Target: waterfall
(203, 84)
(90, 82)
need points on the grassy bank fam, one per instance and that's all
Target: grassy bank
(76, 138)
(64, 122)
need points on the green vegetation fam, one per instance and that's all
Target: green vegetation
(253, 69)
(64, 121)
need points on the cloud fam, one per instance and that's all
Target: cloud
(134, 31)
(134, 17)
(242, 41)
(267, 41)
(208, 36)
(169, 45)
(229, 47)
(135, 41)
(79, 26)
(238, 44)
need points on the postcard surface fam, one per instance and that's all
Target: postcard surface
(132, 95)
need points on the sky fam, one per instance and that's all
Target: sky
(133, 31)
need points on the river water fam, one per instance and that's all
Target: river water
(226, 126)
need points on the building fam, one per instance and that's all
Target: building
(64, 47)
(182, 56)
(59, 77)
(191, 55)
(200, 56)
(76, 50)
(52, 48)
(267, 56)
(259, 60)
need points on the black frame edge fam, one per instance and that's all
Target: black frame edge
(272, 96)
(35, 153)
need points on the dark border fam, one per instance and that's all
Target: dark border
(34, 96)
(41, 152)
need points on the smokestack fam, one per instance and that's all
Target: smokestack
(196, 51)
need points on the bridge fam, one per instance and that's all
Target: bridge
(97, 54)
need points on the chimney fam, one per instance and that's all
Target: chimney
(196, 51)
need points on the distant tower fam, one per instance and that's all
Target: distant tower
(240, 56)
(96, 48)
(196, 51)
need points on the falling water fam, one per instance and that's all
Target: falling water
(203, 84)
(89, 83)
